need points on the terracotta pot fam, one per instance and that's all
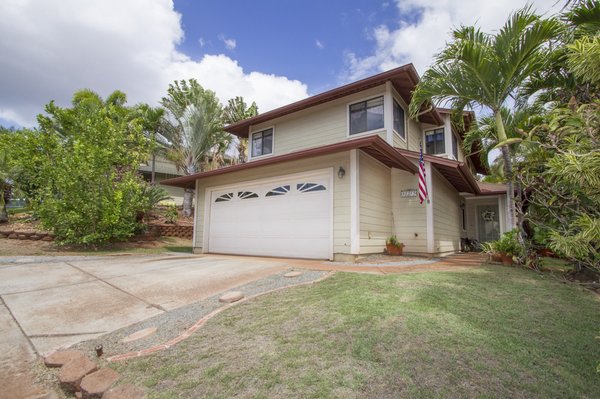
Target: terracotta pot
(394, 250)
(496, 258)
(507, 259)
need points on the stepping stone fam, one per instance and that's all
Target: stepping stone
(95, 384)
(126, 391)
(292, 274)
(232, 296)
(60, 358)
(72, 373)
(139, 334)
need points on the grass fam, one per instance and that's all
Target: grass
(487, 332)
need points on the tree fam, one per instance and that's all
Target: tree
(193, 127)
(80, 168)
(575, 52)
(151, 124)
(5, 185)
(485, 70)
(235, 111)
(562, 173)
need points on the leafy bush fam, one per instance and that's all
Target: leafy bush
(171, 214)
(80, 169)
(393, 240)
(507, 244)
(152, 196)
(562, 177)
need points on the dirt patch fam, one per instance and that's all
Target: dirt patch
(40, 248)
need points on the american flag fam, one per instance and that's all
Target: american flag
(422, 182)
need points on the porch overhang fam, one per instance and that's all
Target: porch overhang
(374, 146)
(457, 173)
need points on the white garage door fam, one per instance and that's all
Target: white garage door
(288, 217)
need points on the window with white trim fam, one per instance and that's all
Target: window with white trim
(309, 187)
(434, 141)
(399, 120)
(281, 190)
(262, 142)
(366, 116)
(224, 198)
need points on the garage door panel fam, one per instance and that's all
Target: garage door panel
(289, 217)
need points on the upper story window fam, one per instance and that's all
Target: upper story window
(434, 141)
(262, 143)
(455, 147)
(366, 116)
(399, 119)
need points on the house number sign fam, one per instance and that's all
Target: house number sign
(408, 193)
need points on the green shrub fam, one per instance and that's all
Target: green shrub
(80, 169)
(171, 214)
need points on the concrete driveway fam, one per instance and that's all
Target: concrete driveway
(60, 302)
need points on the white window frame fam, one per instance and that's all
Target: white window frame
(251, 138)
(425, 140)
(362, 100)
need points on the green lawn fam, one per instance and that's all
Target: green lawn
(487, 333)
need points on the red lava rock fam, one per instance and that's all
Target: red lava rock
(48, 238)
(60, 358)
(22, 237)
(34, 237)
(95, 384)
(72, 373)
(12, 236)
(78, 395)
(232, 296)
(126, 391)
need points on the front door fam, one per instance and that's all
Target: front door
(488, 222)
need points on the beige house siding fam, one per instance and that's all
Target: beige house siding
(409, 221)
(341, 192)
(446, 216)
(399, 141)
(415, 135)
(316, 126)
(375, 205)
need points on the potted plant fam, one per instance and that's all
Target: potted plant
(393, 246)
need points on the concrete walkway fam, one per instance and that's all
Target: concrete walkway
(46, 304)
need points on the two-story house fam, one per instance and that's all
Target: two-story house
(332, 176)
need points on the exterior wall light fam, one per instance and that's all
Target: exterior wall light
(341, 172)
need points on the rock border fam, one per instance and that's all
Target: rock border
(188, 333)
(32, 235)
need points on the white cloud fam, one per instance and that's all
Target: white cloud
(319, 44)
(50, 49)
(201, 42)
(418, 41)
(230, 44)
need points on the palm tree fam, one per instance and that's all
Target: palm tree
(237, 110)
(485, 70)
(192, 125)
(572, 62)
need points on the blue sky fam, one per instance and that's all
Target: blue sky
(304, 40)
(271, 52)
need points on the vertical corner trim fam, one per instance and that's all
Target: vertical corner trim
(429, 209)
(354, 203)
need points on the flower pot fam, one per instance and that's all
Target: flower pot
(507, 259)
(394, 250)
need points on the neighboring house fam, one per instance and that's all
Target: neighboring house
(163, 169)
(334, 175)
